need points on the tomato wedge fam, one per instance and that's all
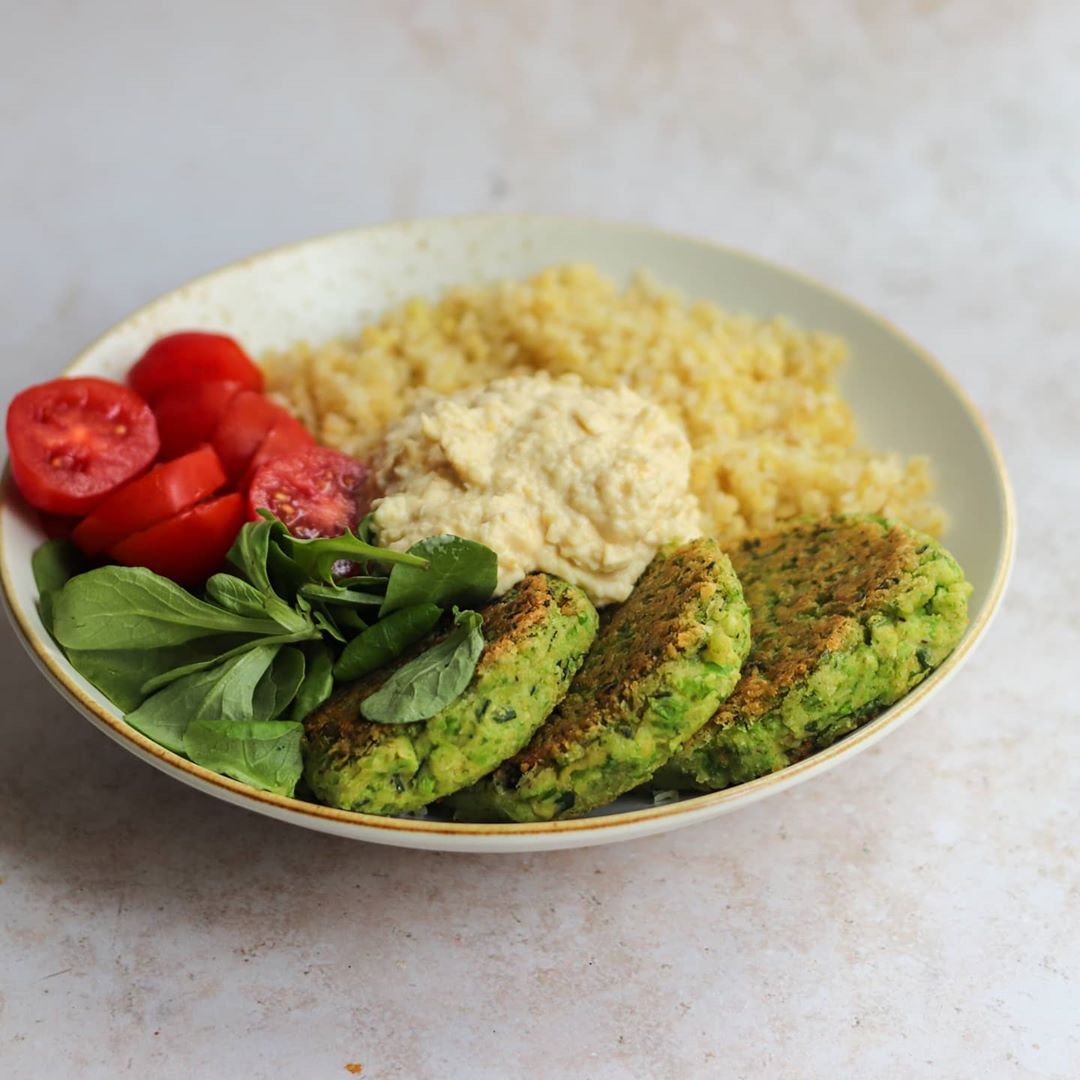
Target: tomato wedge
(188, 415)
(189, 546)
(72, 441)
(165, 490)
(286, 437)
(192, 356)
(246, 423)
(315, 492)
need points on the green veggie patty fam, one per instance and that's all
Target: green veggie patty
(849, 614)
(660, 666)
(536, 637)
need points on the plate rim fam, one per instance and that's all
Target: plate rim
(372, 827)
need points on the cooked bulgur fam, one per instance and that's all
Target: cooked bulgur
(772, 437)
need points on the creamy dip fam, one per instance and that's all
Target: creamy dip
(585, 483)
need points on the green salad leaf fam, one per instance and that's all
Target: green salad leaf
(317, 557)
(376, 646)
(54, 564)
(279, 686)
(122, 674)
(318, 682)
(456, 571)
(427, 684)
(337, 594)
(225, 690)
(262, 753)
(124, 607)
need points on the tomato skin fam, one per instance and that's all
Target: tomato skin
(315, 492)
(245, 424)
(188, 547)
(192, 356)
(162, 492)
(286, 437)
(188, 415)
(72, 441)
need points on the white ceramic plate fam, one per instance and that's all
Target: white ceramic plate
(333, 285)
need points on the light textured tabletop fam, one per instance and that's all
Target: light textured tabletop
(914, 913)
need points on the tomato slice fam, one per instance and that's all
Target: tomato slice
(286, 437)
(72, 441)
(192, 356)
(165, 490)
(315, 492)
(187, 547)
(246, 422)
(188, 415)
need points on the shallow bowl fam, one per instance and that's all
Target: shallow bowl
(318, 289)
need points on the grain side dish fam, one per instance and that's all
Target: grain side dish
(771, 435)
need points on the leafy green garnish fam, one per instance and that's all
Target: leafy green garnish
(317, 557)
(124, 607)
(386, 640)
(337, 594)
(262, 753)
(284, 679)
(54, 563)
(122, 674)
(212, 678)
(318, 682)
(457, 571)
(438, 676)
(226, 690)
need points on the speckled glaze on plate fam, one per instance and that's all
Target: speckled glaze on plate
(333, 285)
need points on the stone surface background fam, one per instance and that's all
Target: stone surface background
(915, 913)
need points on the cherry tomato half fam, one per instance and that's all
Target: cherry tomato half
(286, 437)
(189, 546)
(165, 490)
(192, 356)
(188, 414)
(247, 421)
(72, 441)
(315, 492)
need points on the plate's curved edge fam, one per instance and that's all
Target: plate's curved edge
(462, 836)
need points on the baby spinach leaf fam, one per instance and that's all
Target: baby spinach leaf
(348, 621)
(328, 625)
(318, 681)
(160, 679)
(226, 690)
(371, 583)
(335, 594)
(458, 571)
(262, 753)
(236, 595)
(124, 607)
(437, 677)
(287, 576)
(251, 548)
(279, 684)
(317, 557)
(54, 564)
(365, 531)
(375, 647)
(120, 674)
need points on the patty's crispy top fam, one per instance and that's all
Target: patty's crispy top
(805, 586)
